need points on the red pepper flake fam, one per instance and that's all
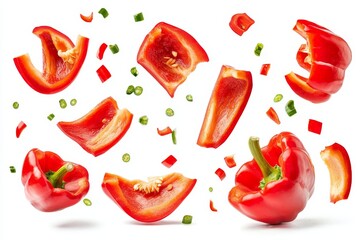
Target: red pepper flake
(169, 161)
(103, 73)
(230, 161)
(273, 115)
(87, 18)
(220, 173)
(101, 51)
(314, 126)
(164, 131)
(20, 127)
(212, 208)
(265, 69)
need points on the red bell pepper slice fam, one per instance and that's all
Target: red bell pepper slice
(62, 61)
(338, 163)
(265, 69)
(314, 126)
(325, 56)
(103, 73)
(276, 185)
(87, 18)
(148, 201)
(272, 114)
(164, 131)
(52, 184)
(230, 161)
(100, 129)
(240, 23)
(228, 100)
(20, 127)
(100, 52)
(212, 207)
(170, 54)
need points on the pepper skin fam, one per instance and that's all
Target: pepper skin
(325, 56)
(52, 184)
(228, 100)
(62, 61)
(276, 185)
(100, 129)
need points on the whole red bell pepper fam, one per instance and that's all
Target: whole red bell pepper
(276, 185)
(52, 184)
(62, 61)
(325, 56)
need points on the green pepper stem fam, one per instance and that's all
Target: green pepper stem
(56, 178)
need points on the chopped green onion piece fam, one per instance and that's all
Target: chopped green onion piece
(138, 90)
(211, 189)
(134, 71)
(73, 102)
(169, 112)
(189, 97)
(126, 157)
(130, 89)
(139, 17)
(87, 202)
(104, 12)
(144, 120)
(51, 116)
(278, 97)
(290, 108)
(173, 136)
(62, 103)
(258, 49)
(187, 219)
(15, 105)
(114, 48)
(12, 169)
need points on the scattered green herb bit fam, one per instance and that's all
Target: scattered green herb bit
(138, 90)
(173, 136)
(15, 105)
(126, 157)
(187, 219)
(114, 48)
(87, 202)
(258, 49)
(278, 97)
(189, 97)
(51, 116)
(144, 120)
(62, 103)
(104, 12)
(211, 189)
(12, 169)
(130, 89)
(139, 17)
(134, 71)
(169, 112)
(290, 108)
(73, 102)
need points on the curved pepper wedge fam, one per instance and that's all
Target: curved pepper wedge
(148, 201)
(276, 185)
(62, 61)
(52, 184)
(170, 54)
(100, 129)
(228, 100)
(325, 56)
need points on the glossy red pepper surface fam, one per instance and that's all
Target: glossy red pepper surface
(240, 23)
(41, 192)
(325, 56)
(278, 200)
(62, 61)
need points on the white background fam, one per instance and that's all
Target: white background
(208, 22)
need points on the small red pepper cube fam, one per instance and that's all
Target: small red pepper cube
(220, 173)
(230, 161)
(169, 161)
(265, 69)
(314, 126)
(103, 73)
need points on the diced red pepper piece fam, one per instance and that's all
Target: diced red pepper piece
(212, 207)
(220, 173)
(165, 131)
(265, 69)
(314, 126)
(101, 51)
(20, 127)
(230, 161)
(240, 23)
(272, 114)
(103, 73)
(87, 18)
(169, 161)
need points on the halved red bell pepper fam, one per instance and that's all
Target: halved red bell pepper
(170, 54)
(62, 61)
(276, 185)
(148, 201)
(52, 184)
(228, 100)
(101, 128)
(338, 163)
(325, 56)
